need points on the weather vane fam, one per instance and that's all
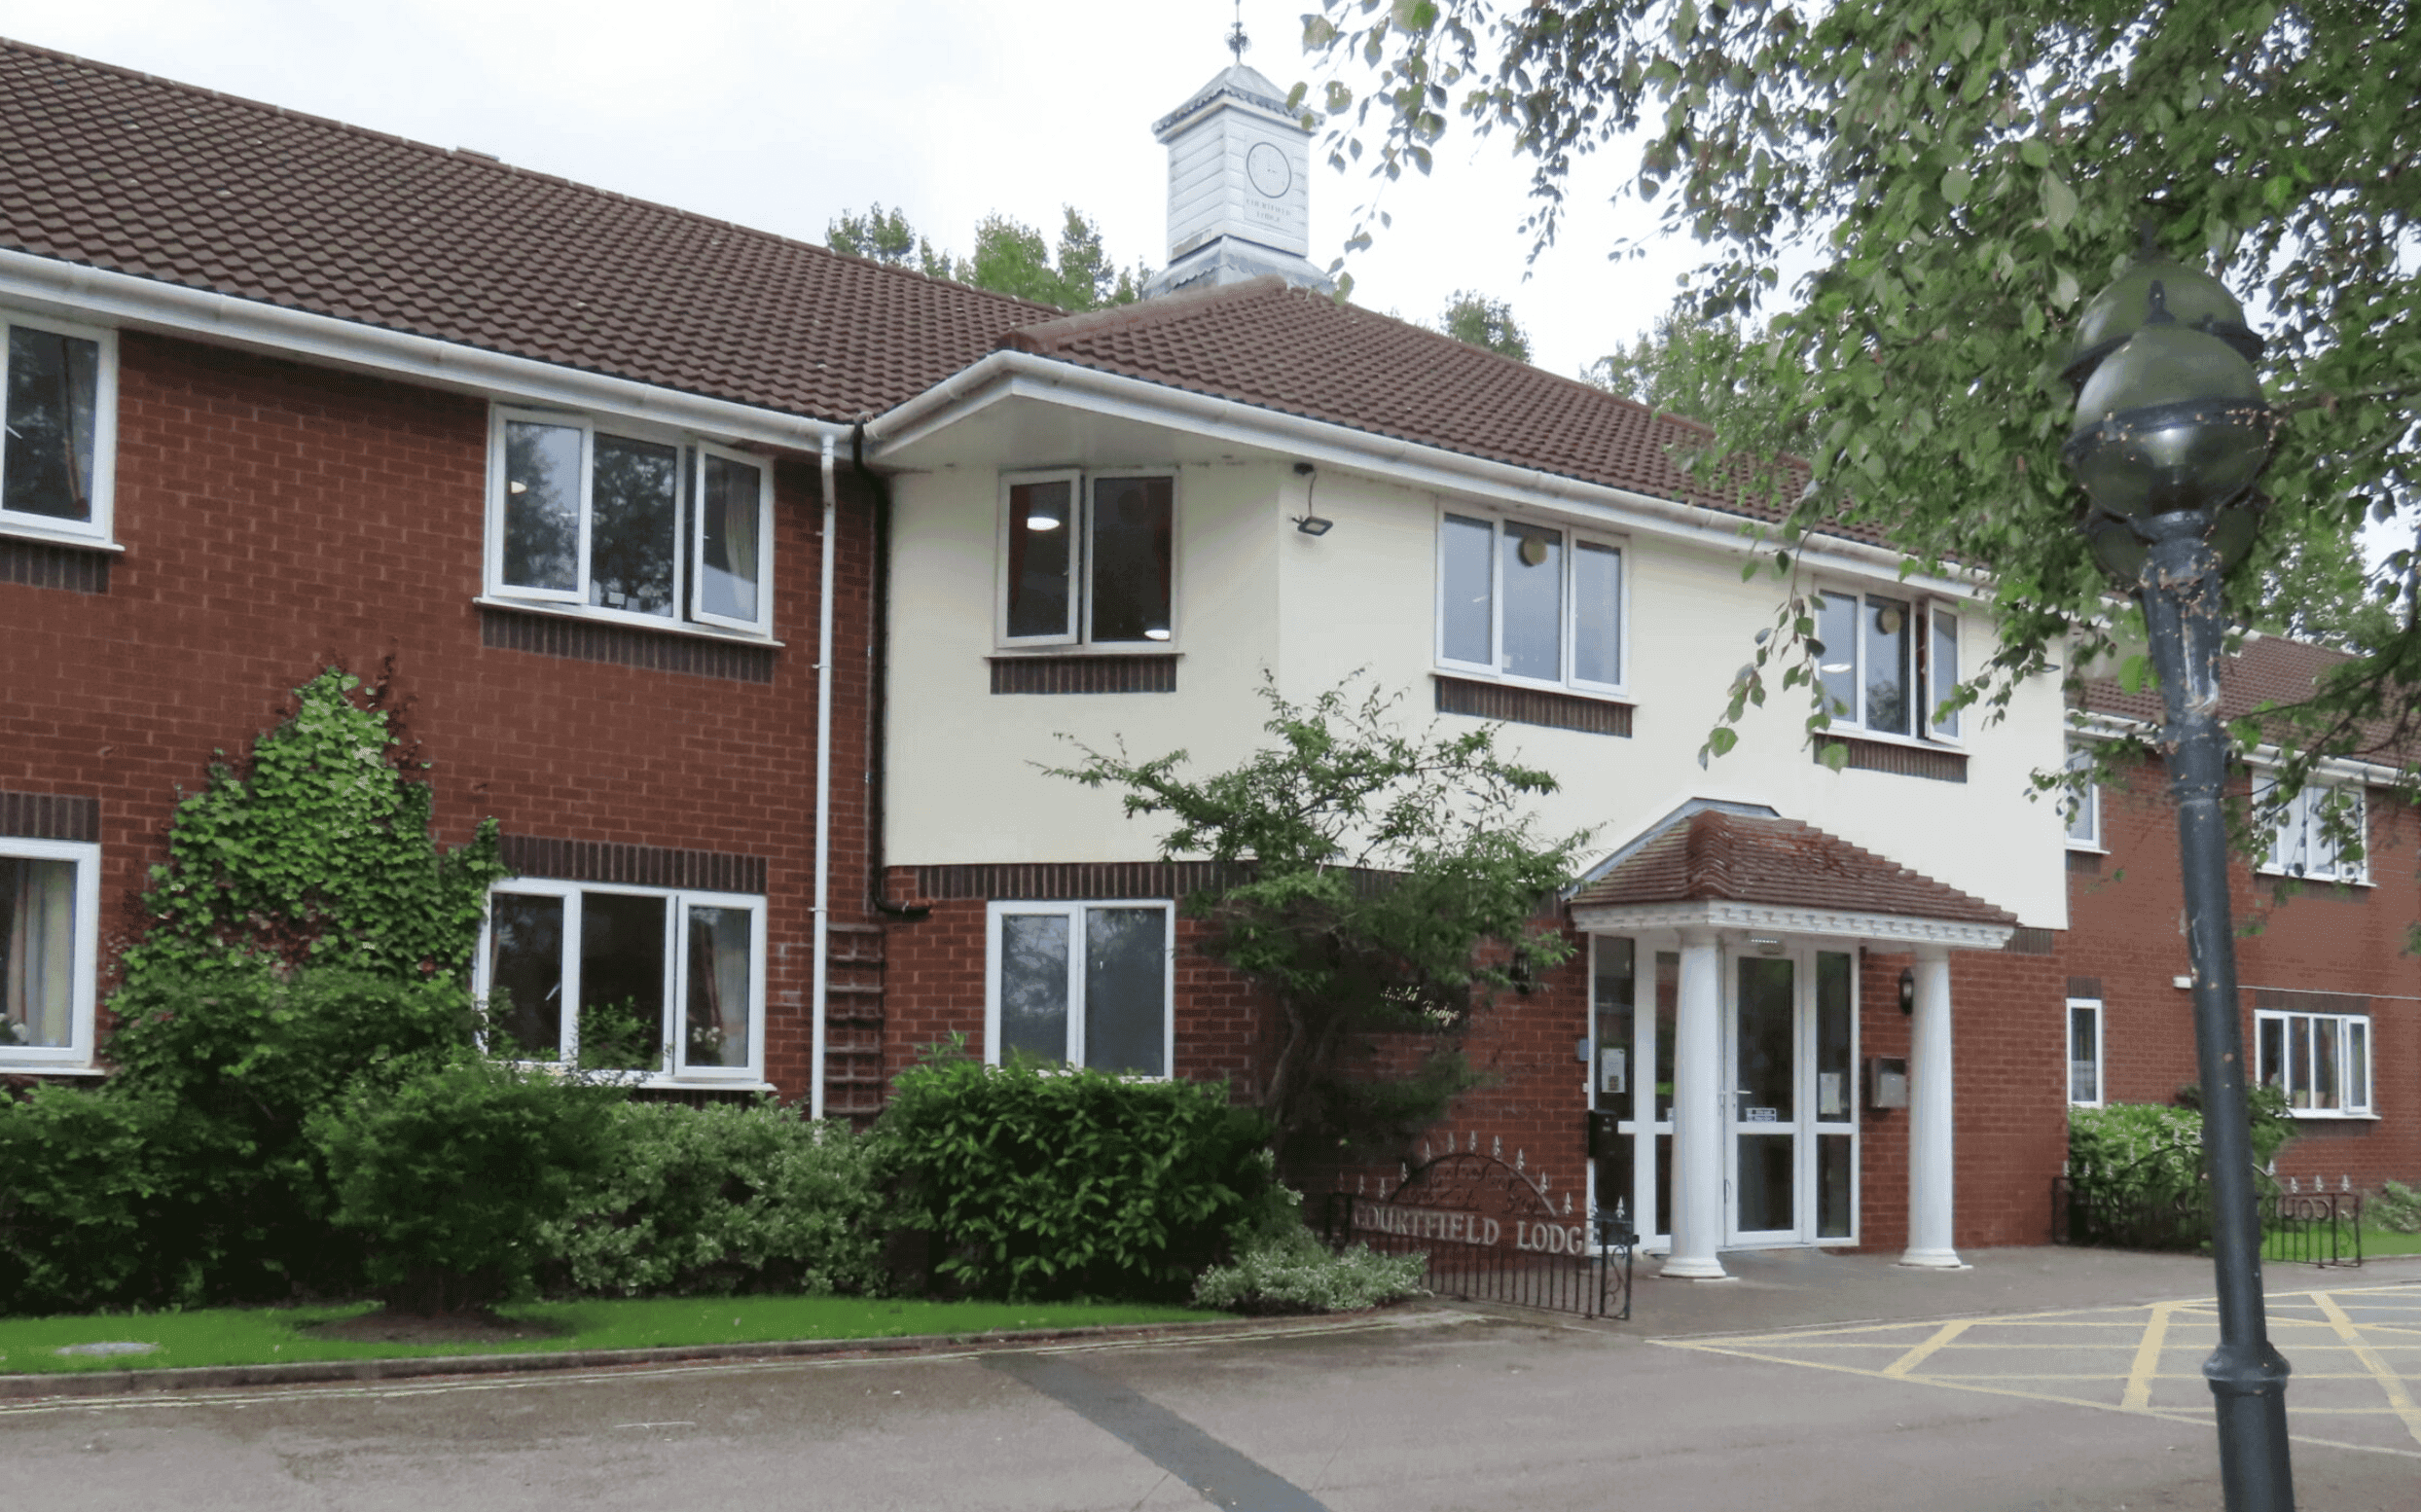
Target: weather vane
(1237, 41)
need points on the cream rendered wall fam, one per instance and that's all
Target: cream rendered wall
(964, 784)
(1364, 597)
(1255, 592)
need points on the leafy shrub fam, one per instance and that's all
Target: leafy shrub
(722, 1200)
(455, 1176)
(1285, 1268)
(2397, 1207)
(1040, 1183)
(2135, 1170)
(81, 1204)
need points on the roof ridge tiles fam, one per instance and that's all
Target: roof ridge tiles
(488, 163)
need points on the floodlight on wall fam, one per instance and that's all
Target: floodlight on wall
(1308, 524)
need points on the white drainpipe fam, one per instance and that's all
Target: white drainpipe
(823, 794)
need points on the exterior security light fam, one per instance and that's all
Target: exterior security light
(1314, 525)
(1308, 524)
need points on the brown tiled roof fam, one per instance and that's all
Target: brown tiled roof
(116, 169)
(1714, 855)
(2267, 670)
(1293, 350)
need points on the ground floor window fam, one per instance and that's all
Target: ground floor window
(1081, 984)
(2320, 1061)
(651, 981)
(50, 897)
(2085, 1053)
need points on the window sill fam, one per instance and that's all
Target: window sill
(644, 624)
(2364, 882)
(2080, 848)
(1067, 648)
(1524, 704)
(2325, 1116)
(20, 530)
(37, 1068)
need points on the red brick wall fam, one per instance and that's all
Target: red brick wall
(278, 518)
(2125, 930)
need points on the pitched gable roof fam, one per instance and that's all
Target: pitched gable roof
(1293, 350)
(1717, 856)
(2266, 670)
(116, 169)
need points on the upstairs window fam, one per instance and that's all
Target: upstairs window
(655, 529)
(2320, 1061)
(2318, 833)
(645, 980)
(1088, 561)
(1889, 663)
(56, 449)
(2081, 802)
(1528, 602)
(50, 932)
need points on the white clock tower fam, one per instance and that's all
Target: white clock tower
(1239, 191)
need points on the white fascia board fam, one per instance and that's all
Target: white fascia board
(2097, 725)
(1773, 918)
(104, 296)
(1010, 374)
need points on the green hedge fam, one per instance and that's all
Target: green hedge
(724, 1198)
(1042, 1183)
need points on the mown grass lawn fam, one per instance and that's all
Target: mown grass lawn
(255, 1336)
(2387, 1241)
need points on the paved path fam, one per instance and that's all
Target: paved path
(1920, 1402)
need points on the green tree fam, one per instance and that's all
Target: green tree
(1962, 175)
(1010, 257)
(1472, 317)
(1374, 882)
(1701, 369)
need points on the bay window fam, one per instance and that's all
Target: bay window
(2320, 1061)
(49, 937)
(1081, 984)
(2317, 833)
(656, 529)
(57, 396)
(1888, 663)
(1087, 559)
(1528, 602)
(647, 981)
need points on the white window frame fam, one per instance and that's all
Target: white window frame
(1073, 910)
(1927, 684)
(99, 529)
(1567, 633)
(672, 1067)
(77, 1053)
(2295, 826)
(2081, 790)
(2345, 1022)
(2100, 1052)
(689, 524)
(1081, 484)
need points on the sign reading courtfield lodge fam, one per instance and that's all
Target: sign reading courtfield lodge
(1467, 1198)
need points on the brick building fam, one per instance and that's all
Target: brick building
(750, 587)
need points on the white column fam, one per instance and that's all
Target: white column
(1698, 1113)
(1931, 1180)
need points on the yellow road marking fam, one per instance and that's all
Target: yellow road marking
(1925, 1352)
(2390, 1383)
(2138, 1392)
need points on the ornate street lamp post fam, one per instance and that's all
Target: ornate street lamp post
(2171, 434)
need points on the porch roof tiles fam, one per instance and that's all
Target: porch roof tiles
(1714, 855)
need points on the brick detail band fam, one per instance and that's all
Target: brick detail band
(50, 816)
(2084, 986)
(583, 641)
(1053, 882)
(1531, 706)
(40, 564)
(1084, 674)
(639, 866)
(1907, 761)
(2031, 942)
(2299, 1001)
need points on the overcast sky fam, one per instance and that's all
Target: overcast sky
(782, 115)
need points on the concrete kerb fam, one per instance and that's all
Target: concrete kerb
(167, 1379)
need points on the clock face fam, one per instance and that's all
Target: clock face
(1266, 165)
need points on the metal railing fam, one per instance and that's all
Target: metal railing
(2313, 1228)
(2151, 1206)
(1542, 1263)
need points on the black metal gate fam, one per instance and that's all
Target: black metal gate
(1492, 1234)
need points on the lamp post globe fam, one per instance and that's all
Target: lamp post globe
(2171, 435)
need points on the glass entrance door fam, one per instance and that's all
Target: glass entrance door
(1791, 1129)
(1633, 994)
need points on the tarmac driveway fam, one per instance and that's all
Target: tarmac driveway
(1842, 1383)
